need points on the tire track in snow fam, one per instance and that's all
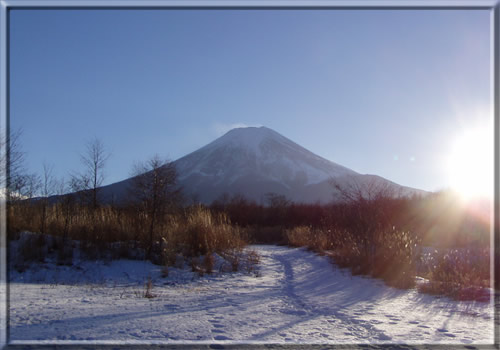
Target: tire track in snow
(355, 326)
(297, 296)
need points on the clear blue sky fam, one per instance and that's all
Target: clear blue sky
(381, 92)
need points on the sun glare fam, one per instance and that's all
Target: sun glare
(471, 164)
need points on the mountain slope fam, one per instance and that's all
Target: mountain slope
(254, 161)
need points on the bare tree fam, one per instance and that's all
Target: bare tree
(154, 191)
(11, 155)
(352, 190)
(366, 208)
(31, 186)
(11, 163)
(16, 182)
(275, 200)
(278, 207)
(94, 160)
(49, 183)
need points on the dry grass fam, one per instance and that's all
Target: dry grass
(460, 274)
(205, 232)
(392, 254)
(111, 232)
(318, 240)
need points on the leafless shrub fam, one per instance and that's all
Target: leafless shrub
(299, 236)
(461, 274)
(148, 289)
(153, 192)
(315, 239)
(396, 258)
(253, 257)
(252, 260)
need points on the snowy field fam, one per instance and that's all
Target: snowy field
(294, 297)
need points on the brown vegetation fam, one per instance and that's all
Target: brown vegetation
(369, 229)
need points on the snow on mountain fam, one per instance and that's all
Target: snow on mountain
(252, 156)
(254, 161)
(262, 151)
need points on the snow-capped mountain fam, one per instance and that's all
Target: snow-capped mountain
(254, 161)
(261, 152)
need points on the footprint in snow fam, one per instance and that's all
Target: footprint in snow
(414, 322)
(442, 330)
(384, 337)
(293, 312)
(392, 317)
(221, 337)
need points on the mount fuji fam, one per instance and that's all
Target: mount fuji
(255, 161)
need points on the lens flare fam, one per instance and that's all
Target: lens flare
(471, 164)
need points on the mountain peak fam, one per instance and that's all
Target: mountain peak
(250, 128)
(253, 161)
(250, 138)
(251, 131)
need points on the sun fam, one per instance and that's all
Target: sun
(471, 164)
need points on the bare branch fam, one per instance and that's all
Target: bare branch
(154, 190)
(94, 160)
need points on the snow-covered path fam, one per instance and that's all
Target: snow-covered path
(298, 297)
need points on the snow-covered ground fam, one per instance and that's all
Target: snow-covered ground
(295, 297)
